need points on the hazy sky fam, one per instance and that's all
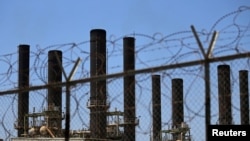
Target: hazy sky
(49, 22)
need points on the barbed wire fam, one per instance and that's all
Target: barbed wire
(174, 48)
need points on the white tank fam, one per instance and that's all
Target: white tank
(43, 130)
(32, 131)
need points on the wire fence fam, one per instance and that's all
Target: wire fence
(172, 57)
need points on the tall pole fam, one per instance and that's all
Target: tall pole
(207, 56)
(67, 114)
(58, 57)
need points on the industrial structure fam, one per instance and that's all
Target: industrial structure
(105, 124)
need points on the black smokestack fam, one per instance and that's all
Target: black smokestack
(244, 97)
(129, 88)
(156, 106)
(55, 93)
(23, 82)
(98, 94)
(224, 89)
(177, 104)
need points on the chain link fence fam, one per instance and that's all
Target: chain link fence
(135, 87)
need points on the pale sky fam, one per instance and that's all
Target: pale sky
(50, 22)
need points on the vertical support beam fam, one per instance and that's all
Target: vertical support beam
(244, 97)
(23, 82)
(55, 93)
(129, 88)
(207, 96)
(67, 122)
(224, 89)
(156, 106)
(206, 56)
(98, 90)
(177, 104)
